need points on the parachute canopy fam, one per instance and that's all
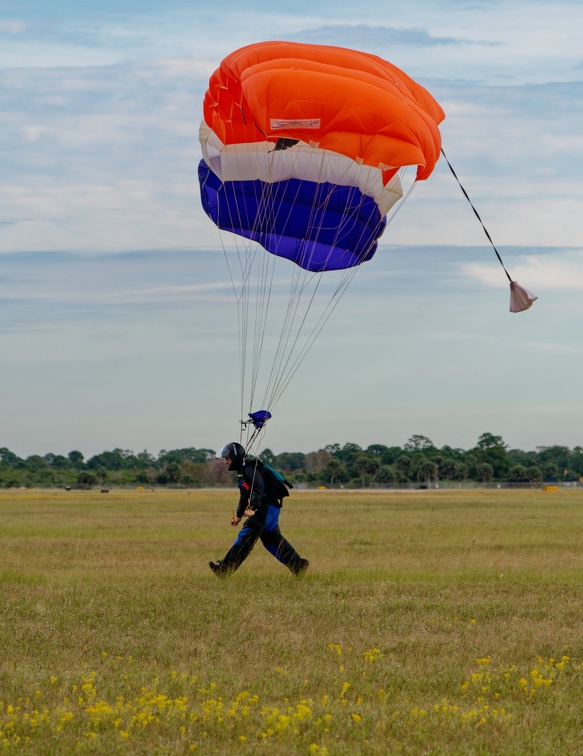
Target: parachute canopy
(302, 146)
(307, 151)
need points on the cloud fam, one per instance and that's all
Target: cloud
(362, 36)
(562, 271)
(101, 158)
(105, 159)
(12, 26)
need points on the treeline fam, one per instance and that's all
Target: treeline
(418, 462)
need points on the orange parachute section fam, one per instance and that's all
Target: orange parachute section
(349, 102)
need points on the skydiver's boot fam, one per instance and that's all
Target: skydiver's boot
(299, 567)
(237, 554)
(218, 569)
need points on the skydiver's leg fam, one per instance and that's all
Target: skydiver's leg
(279, 546)
(240, 550)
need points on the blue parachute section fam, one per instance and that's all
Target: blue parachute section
(259, 418)
(317, 226)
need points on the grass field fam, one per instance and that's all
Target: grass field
(431, 622)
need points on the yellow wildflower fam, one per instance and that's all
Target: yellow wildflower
(372, 655)
(302, 711)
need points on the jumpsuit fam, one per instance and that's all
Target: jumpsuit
(262, 525)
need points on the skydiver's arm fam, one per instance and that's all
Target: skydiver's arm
(257, 490)
(252, 490)
(243, 501)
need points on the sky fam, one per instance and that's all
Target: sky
(116, 310)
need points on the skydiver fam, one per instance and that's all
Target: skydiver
(261, 507)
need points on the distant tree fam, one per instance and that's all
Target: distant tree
(387, 474)
(425, 469)
(485, 472)
(185, 455)
(460, 471)
(86, 479)
(349, 451)
(519, 457)
(145, 459)
(35, 462)
(268, 457)
(364, 466)
(13, 482)
(534, 474)
(419, 459)
(490, 449)
(129, 459)
(170, 474)
(335, 470)
(76, 458)
(101, 473)
(377, 450)
(446, 468)
(576, 460)
(418, 444)
(560, 455)
(550, 471)
(60, 462)
(108, 460)
(391, 454)
(450, 453)
(217, 473)
(404, 466)
(291, 461)
(188, 480)
(518, 474)
(315, 462)
(488, 441)
(173, 472)
(8, 458)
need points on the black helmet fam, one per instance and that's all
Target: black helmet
(236, 454)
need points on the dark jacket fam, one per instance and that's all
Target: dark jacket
(253, 494)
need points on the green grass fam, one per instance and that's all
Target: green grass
(435, 622)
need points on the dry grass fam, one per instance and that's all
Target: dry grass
(426, 625)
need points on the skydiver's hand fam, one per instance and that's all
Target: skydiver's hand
(235, 520)
(249, 512)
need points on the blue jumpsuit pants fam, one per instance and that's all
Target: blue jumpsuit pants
(267, 531)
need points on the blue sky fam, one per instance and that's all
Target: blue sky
(116, 320)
